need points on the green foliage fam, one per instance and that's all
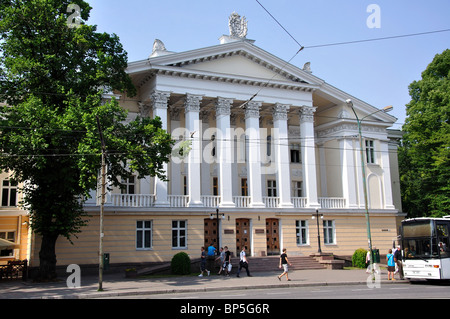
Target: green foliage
(359, 258)
(181, 264)
(52, 78)
(424, 156)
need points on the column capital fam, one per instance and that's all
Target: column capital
(307, 113)
(159, 99)
(223, 106)
(280, 111)
(252, 109)
(192, 103)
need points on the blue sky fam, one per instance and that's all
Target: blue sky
(378, 72)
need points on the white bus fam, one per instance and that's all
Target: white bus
(426, 251)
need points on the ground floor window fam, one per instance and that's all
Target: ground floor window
(302, 232)
(179, 234)
(143, 234)
(328, 232)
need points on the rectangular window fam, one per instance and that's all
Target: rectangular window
(144, 234)
(244, 187)
(272, 188)
(370, 152)
(179, 234)
(301, 227)
(328, 232)
(297, 189)
(129, 185)
(295, 153)
(215, 186)
(9, 193)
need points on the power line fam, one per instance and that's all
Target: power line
(375, 39)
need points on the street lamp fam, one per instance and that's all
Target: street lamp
(211, 216)
(369, 236)
(318, 231)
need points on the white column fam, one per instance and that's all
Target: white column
(387, 184)
(192, 116)
(254, 155)
(348, 172)
(159, 103)
(309, 155)
(282, 159)
(224, 151)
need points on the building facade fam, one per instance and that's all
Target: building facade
(273, 162)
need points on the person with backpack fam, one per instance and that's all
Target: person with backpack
(390, 264)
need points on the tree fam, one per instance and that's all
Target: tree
(52, 77)
(425, 152)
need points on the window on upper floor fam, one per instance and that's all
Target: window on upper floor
(272, 188)
(297, 188)
(9, 193)
(295, 153)
(129, 185)
(370, 152)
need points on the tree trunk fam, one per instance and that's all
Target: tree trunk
(47, 258)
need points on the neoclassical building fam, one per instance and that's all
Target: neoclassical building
(271, 146)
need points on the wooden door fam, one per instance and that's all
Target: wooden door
(243, 232)
(273, 236)
(210, 232)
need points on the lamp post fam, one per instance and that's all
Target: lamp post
(363, 168)
(318, 231)
(211, 216)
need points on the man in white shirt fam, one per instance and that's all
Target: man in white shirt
(243, 263)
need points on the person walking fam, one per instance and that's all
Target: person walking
(398, 261)
(222, 260)
(284, 262)
(203, 262)
(243, 263)
(390, 264)
(227, 261)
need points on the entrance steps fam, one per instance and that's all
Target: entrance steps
(271, 263)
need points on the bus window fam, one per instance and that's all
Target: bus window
(443, 240)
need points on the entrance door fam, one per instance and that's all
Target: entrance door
(210, 232)
(273, 236)
(243, 235)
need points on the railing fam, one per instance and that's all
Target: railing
(147, 200)
(132, 200)
(271, 202)
(210, 201)
(299, 202)
(178, 200)
(332, 202)
(241, 201)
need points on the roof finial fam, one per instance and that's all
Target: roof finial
(238, 26)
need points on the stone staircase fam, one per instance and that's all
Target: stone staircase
(271, 263)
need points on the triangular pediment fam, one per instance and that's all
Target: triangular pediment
(239, 58)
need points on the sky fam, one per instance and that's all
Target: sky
(377, 72)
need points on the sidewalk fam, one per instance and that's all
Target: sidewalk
(116, 285)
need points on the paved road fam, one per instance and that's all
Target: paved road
(408, 291)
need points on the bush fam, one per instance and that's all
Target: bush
(181, 264)
(359, 258)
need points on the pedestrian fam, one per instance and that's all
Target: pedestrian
(390, 264)
(398, 261)
(284, 262)
(227, 261)
(203, 262)
(211, 256)
(221, 259)
(243, 262)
